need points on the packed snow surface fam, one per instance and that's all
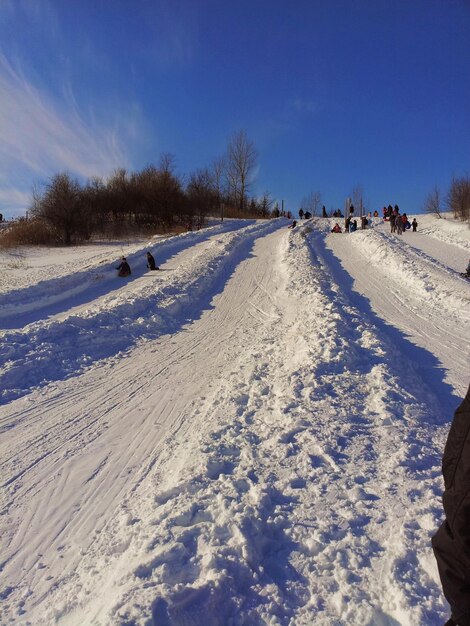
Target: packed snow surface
(250, 436)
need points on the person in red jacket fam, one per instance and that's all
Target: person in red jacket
(451, 543)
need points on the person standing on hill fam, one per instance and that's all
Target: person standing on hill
(398, 224)
(414, 224)
(124, 267)
(451, 543)
(151, 262)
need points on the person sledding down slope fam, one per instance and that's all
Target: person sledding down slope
(124, 268)
(151, 262)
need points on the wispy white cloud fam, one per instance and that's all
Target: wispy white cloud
(39, 13)
(10, 197)
(43, 134)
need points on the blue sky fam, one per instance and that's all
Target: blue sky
(334, 93)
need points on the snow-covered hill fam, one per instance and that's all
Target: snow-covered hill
(251, 435)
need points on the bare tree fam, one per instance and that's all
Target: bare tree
(432, 203)
(62, 206)
(265, 203)
(218, 173)
(242, 158)
(118, 186)
(458, 198)
(97, 205)
(201, 193)
(311, 203)
(158, 194)
(357, 199)
(167, 163)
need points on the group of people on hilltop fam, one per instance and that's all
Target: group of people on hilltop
(387, 211)
(124, 269)
(400, 222)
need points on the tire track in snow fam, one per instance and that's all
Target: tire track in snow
(410, 291)
(314, 455)
(298, 484)
(56, 295)
(53, 350)
(91, 509)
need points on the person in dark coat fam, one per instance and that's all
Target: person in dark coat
(467, 271)
(151, 262)
(414, 224)
(124, 268)
(451, 543)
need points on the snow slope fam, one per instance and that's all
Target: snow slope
(250, 436)
(414, 282)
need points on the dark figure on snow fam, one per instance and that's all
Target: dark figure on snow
(414, 224)
(451, 543)
(307, 215)
(293, 225)
(301, 213)
(323, 212)
(151, 262)
(398, 224)
(124, 268)
(467, 271)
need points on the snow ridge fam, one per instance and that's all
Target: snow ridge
(51, 350)
(309, 495)
(268, 452)
(99, 277)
